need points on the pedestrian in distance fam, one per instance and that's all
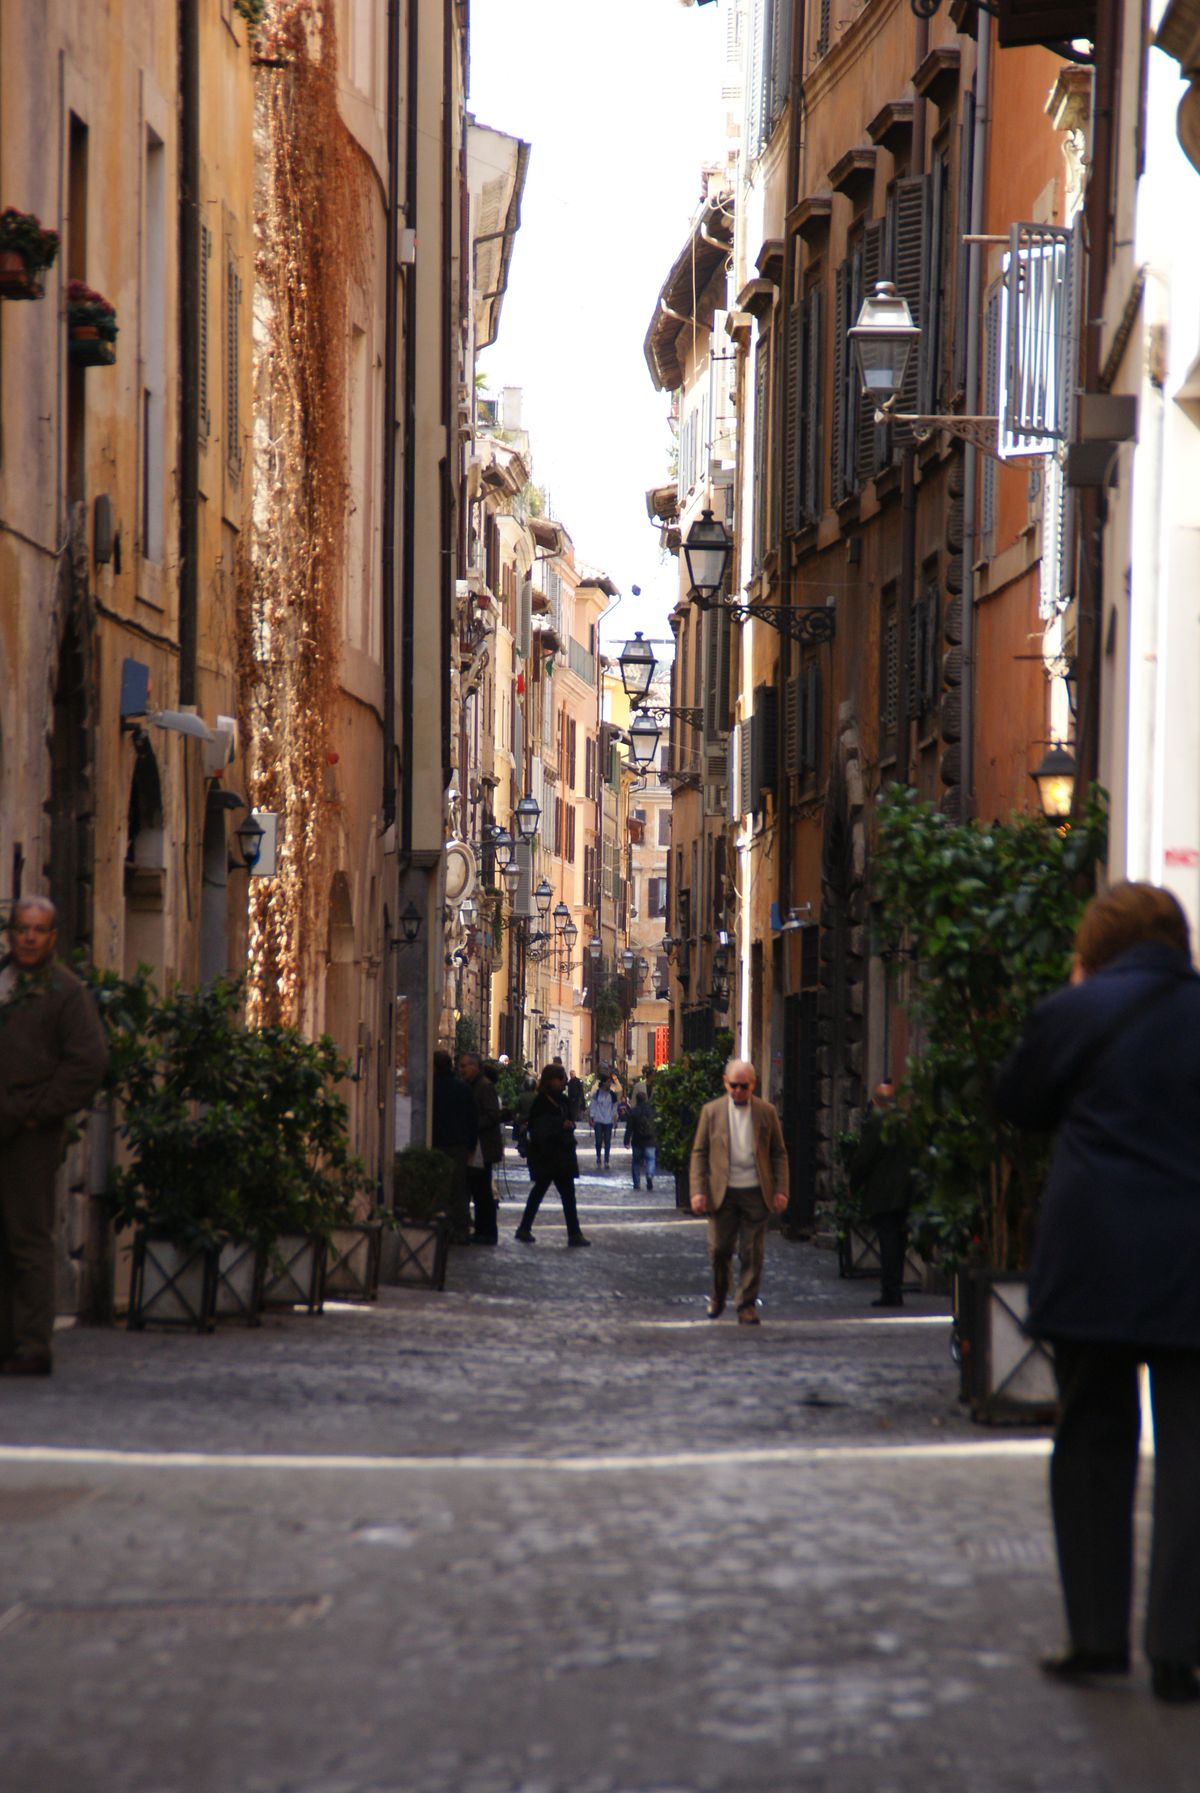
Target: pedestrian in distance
(880, 1172)
(602, 1112)
(455, 1131)
(53, 1057)
(739, 1176)
(552, 1156)
(489, 1147)
(1113, 1062)
(576, 1100)
(639, 1135)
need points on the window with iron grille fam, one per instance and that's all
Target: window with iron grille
(1037, 310)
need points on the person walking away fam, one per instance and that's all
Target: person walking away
(455, 1131)
(552, 1156)
(575, 1098)
(602, 1112)
(738, 1175)
(489, 1146)
(639, 1134)
(1113, 1062)
(880, 1172)
(53, 1057)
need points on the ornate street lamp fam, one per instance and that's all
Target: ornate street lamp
(542, 896)
(628, 958)
(249, 837)
(595, 949)
(512, 878)
(706, 549)
(637, 663)
(529, 814)
(1055, 781)
(570, 935)
(468, 914)
(503, 847)
(644, 735)
(410, 923)
(562, 916)
(883, 340)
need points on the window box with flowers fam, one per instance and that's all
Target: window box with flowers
(26, 251)
(91, 327)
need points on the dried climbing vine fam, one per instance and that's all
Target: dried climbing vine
(311, 229)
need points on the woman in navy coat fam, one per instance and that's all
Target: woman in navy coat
(1114, 1063)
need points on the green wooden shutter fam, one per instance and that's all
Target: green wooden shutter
(908, 203)
(794, 422)
(813, 387)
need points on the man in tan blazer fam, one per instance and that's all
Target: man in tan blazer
(739, 1174)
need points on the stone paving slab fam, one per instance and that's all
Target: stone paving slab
(548, 1532)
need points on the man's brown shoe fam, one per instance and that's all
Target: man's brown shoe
(716, 1306)
(748, 1316)
(28, 1363)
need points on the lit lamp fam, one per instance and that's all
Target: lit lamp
(1055, 781)
(644, 734)
(542, 897)
(706, 549)
(637, 663)
(529, 814)
(883, 340)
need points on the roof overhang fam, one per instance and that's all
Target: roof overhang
(496, 168)
(689, 294)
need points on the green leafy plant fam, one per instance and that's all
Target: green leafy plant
(252, 11)
(607, 1012)
(988, 911)
(680, 1091)
(423, 1184)
(465, 1036)
(23, 232)
(230, 1132)
(510, 1083)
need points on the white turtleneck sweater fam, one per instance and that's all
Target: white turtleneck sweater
(743, 1166)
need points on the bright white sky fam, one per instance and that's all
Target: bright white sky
(621, 103)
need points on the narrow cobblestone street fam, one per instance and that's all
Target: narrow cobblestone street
(547, 1532)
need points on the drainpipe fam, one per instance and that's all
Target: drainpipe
(391, 349)
(971, 399)
(908, 475)
(189, 343)
(449, 416)
(408, 576)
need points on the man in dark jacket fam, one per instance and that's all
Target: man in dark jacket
(1114, 1063)
(52, 1059)
(880, 1172)
(489, 1148)
(455, 1131)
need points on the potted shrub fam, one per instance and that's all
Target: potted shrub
(680, 1091)
(423, 1183)
(91, 327)
(988, 913)
(26, 251)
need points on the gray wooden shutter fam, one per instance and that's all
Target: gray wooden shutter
(792, 754)
(991, 403)
(205, 257)
(933, 283)
(865, 448)
(811, 745)
(766, 741)
(908, 199)
(813, 387)
(794, 421)
(745, 758)
(841, 354)
(962, 225)
(716, 672)
(762, 472)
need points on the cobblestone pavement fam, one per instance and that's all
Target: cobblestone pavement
(550, 1531)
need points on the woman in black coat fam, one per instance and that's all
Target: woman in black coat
(551, 1155)
(1114, 1063)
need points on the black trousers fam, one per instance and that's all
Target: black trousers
(566, 1190)
(479, 1185)
(604, 1133)
(1093, 1476)
(891, 1230)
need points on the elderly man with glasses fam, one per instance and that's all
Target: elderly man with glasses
(739, 1176)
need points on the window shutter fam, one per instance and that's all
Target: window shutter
(841, 355)
(933, 287)
(793, 446)
(889, 680)
(792, 727)
(525, 619)
(766, 742)
(866, 459)
(745, 756)
(966, 153)
(813, 388)
(716, 626)
(812, 719)
(755, 76)
(762, 473)
(781, 57)
(908, 208)
(205, 256)
(233, 306)
(991, 400)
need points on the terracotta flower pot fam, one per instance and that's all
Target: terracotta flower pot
(17, 279)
